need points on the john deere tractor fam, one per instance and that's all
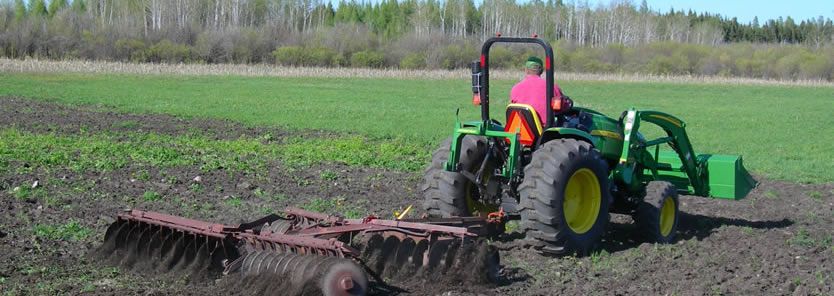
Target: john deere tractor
(562, 177)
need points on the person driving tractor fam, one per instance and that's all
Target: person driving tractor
(531, 90)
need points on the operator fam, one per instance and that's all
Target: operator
(532, 88)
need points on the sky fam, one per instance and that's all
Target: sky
(745, 10)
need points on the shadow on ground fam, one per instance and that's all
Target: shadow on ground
(621, 236)
(624, 236)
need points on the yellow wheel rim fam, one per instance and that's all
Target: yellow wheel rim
(478, 207)
(582, 201)
(667, 216)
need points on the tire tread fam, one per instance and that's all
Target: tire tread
(540, 207)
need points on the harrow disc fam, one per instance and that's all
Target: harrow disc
(281, 226)
(393, 257)
(301, 253)
(328, 275)
(152, 248)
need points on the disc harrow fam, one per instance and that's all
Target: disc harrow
(304, 250)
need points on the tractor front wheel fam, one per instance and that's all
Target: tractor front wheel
(565, 197)
(657, 215)
(451, 194)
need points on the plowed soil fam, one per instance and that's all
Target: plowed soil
(777, 241)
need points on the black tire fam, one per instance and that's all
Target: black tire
(444, 193)
(649, 213)
(543, 192)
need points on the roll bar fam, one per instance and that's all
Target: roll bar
(548, 69)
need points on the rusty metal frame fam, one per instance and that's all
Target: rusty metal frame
(313, 233)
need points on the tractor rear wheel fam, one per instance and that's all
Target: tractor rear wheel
(451, 194)
(657, 216)
(565, 197)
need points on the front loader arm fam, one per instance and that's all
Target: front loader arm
(635, 152)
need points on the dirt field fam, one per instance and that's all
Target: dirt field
(777, 241)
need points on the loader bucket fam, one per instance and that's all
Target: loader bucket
(725, 175)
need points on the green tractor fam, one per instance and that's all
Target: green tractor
(562, 177)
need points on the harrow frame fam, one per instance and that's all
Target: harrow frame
(299, 239)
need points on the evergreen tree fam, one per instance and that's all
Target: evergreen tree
(79, 6)
(19, 10)
(38, 7)
(644, 7)
(56, 5)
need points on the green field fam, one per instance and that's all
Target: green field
(784, 132)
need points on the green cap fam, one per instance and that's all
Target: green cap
(534, 63)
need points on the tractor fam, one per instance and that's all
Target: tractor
(561, 178)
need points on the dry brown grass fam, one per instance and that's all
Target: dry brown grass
(102, 67)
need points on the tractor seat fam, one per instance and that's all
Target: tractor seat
(523, 119)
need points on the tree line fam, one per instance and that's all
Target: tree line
(618, 37)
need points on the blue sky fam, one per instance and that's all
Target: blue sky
(745, 10)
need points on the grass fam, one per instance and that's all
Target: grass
(101, 152)
(81, 278)
(394, 153)
(512, 226)
(110, 151)
(70, 231)
(143, 175)
(126, 124)
(804, 238)
(151, 196)
(335, 205)
(780, 130)
(234, 201)
(328, 175)
(195, 187)
(26, 192)
(265, 70)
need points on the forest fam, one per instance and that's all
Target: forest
(616, 37)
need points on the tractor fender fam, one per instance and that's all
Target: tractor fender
(567, 133)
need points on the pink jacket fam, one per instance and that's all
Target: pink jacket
(531, 91)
